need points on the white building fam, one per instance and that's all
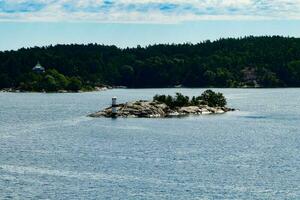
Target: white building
(38, 68)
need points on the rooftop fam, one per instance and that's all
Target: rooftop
(38, 67)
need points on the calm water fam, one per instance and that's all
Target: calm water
(50, 150)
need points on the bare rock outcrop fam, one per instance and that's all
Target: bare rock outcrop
(155, 109)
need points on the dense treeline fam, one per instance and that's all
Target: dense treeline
(251, 61)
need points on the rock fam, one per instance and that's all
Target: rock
(219, 111)
(62, 91)
(205, 111)
(119, 87)
(9, 90)
(154, 109)
(189, 110)
(173, 114)
(98, 89)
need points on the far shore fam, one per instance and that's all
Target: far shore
(101, 89)
(95, 89)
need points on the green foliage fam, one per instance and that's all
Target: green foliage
(49, 84)
(194, 101)
(86, 88)
(61, 81)
(213, 99)
(75, 84)
(210, 77)
(181, 100)
(275, 61)
(223, 77)
(178, 101)
(294, 71)
(4, 81)
(160, 98)
(127, 75)
(51, 81)
(208, 97)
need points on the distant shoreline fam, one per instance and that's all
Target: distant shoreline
(248, 62)
(12, 90)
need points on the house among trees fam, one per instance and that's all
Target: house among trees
(250, 76)
(38, 68)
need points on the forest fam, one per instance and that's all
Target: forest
(267, 61)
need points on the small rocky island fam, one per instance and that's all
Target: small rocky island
(162, 106)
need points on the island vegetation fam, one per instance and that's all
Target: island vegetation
(241, 62)
(208, 97)
(209, 102)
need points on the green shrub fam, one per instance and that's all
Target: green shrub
(213, 99)
(87, 88)
(208, 97)
(49, 84)
(60, 79)
(180, 100)
(160, 98)
(74, 84)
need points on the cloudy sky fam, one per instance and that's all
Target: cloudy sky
(132, 22)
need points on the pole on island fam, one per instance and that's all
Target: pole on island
(114, 107)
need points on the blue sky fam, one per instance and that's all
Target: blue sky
(25, 23)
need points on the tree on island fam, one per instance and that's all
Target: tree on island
(213, 99)
(208, 97)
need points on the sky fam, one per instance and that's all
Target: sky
(27, 23)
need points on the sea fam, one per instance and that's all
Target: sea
(50, 149)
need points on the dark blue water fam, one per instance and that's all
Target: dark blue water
(50, 150)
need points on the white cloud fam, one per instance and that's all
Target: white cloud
(146, 11)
